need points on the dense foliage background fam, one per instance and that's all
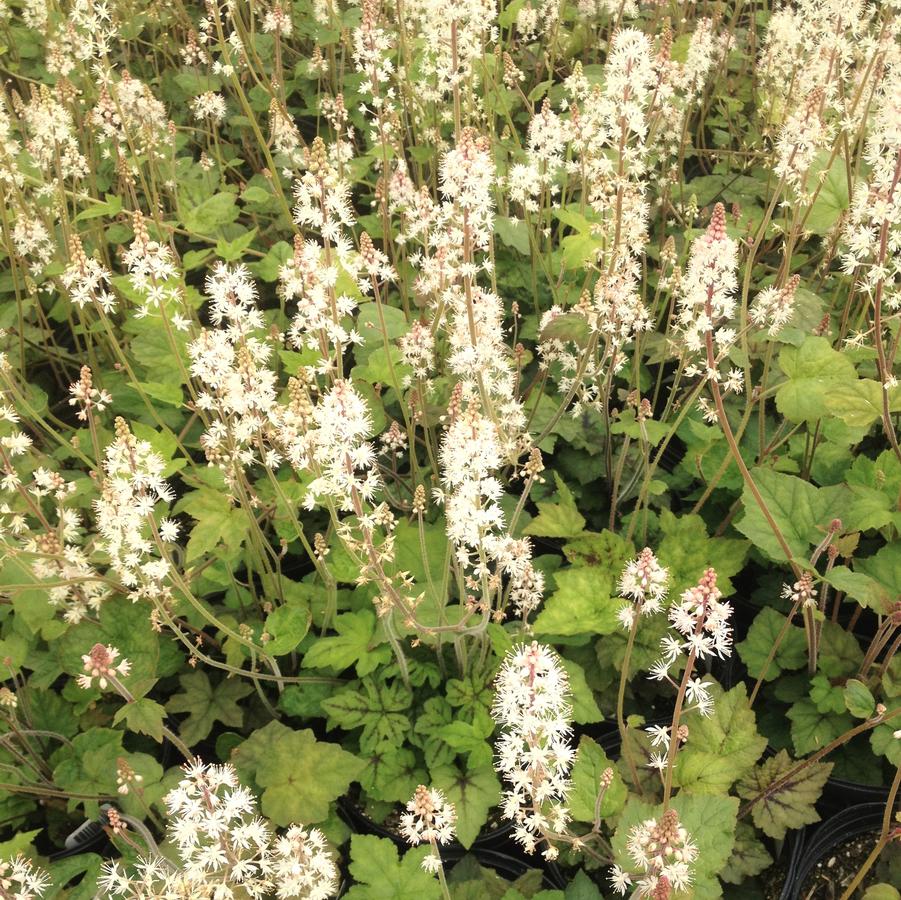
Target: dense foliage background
(351, 355)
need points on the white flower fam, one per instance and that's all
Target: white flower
(226, 851)
(620, 880)
(659, 735)
(658, 849)
(132, 487)
(209, 105)
(302, 865)
(645, 582)
(702, 621)
(100, 665)
(430, 818)
(534, 751)
(698, 691)
(709, 283)
(20, 879)
(169, 530)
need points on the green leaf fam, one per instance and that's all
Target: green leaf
(721, 747)
(514, 233)
(472, 694)
(579, 249)
(859, 403)
(471, 738)
(144, 716)
(584, 705)
(392, 776)
(233, 250)
(165, 393)
(687, 550)
(369, 324)
(123, 625)
(207, 217)
(89, 766)
(66, 870)
(789, 805)
(814, 370)
(590, 764)
(218, 521)
(194, 259)
(355, 644)
(858, 699)
(828, 697)
(840, 654)
(256, 194)
(378, 707)
(604, 550)
(867, 509)
(581, 604)
(802, 512)
(31, 604)
(510, 12)
(19, 843)
(304, 700)
(561, 519)
(891, 678)
(649, 429)
(582, 888)
(207, 704)
(380, 874)
(762, 637)
(811, 729)
(881, 892)
(833, 198)
(862, 588)
(749, 856)
(287, 626)
(884, 742)
(268, 267)
(884, 567)
(568, 328)
(473, 792)
(302, 776)
(112, 207)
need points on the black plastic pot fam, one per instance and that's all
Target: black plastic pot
(839, 794)
(816, 842)
(88, 837)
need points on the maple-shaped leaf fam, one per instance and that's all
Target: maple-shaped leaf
(560, 520)
(392, 775)
(356, 644)
(381, 874)
(721, 747)
(207, 704)
(473, 791)
(301, 776)
(768, 630)
(88, 765)
(749, 856)
(811, 729)
(378, 707)
(778, 807)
